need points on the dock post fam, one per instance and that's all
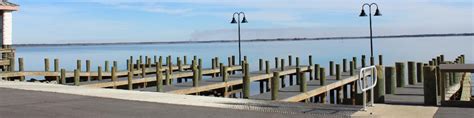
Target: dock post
(297, 66)
(88, 70)
(180, 65)
(372, 60)
(322, 76)
(276, 62)
(46, 64)
(338, 72)
(354, 60)
(379, 90)
(233, 60)
(170, 65)
(140, 60)
(316, 72)
(56, 65)
(114, 76)
(400, 74)
(282, 68)
(430, 85)
(301, 77)
(362, 61)
(185, 60)
(63, 76)
(200, 70)
(167, 77)
(115, 64)
(76, 77)
(390, 80)
(419, 72)
(275, 85)
(310, 64)
(380, 60)
(331, 68)
(195, 77)
(267, 71)
(149, 62)
(224, 73)
(290, 63)
(246, 81)
(106, 66)
(130, 82)
(21, 68)
(229, 61)
(411, 73)
(351, 68)
(159, 77)
(297, 61)
(344, 65)
(260, 64)
(99, 73)
(143, 73)
(322, 82)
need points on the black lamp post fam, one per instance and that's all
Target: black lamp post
(238, 21)
(377, 13)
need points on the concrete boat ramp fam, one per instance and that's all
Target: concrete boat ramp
(20, 99)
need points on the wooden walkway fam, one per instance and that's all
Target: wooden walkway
(151, 77)
(314, 88)
(217, 82)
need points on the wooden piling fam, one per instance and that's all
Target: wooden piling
(316, 72)
(282, 67)
(354, 60)
(260, 64)
(229, 61)
(233, 60)
(167, 77)
(372, 60)
(301, 77)
(400, 74)
(78, 65)
(159, 77)
(130, 82)
(76, 77)
(106, 66)
(338, 72)
(195, 77)
(267, 71)
(344, 65)
(380, 60)
(99, 73)
(114, 76)
(351, 68)
(331, 68)
(246, 82)
(390, 80)
(63, 76)
(310, 63)
(362, 61)
(322, 76)
(297, 61)
(56, 65)
(200, 70)
(419, 72)
(21, 68)
(411, 73)
(46, 64)
(88, 70)
(276, 62)
(379, 89)
(225, 74)
(430, 85)
(275, 85)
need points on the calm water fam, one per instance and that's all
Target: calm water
(399, 49)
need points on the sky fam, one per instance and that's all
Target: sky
(95, 21)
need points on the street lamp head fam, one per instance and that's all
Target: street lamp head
(377, 13)
(244, 20)
(362, 13)
(233, 21)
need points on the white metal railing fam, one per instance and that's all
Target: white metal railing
(367, 81)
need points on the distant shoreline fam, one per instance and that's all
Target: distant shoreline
(252, 40)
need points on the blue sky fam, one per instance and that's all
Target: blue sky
(78, 21)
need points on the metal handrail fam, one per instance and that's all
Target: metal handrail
(364, 86)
